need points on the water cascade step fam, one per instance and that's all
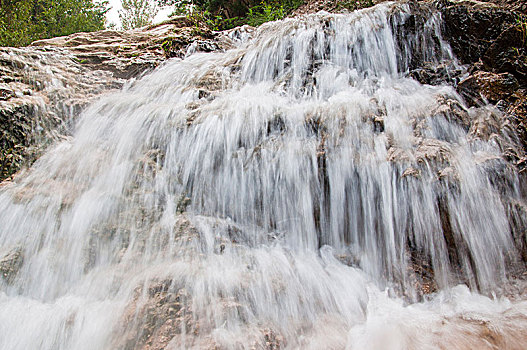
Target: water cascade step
(300, 191)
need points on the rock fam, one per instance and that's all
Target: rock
(421, 274)
(448, 173)
(5, 92)
(411, 172)
(161, 315)
(508, 52)
(433, 150)
(493, 86)
(10, 264)
(396, 155)
(158, 312)
(127, 54)
(45, 86)
(41, 91)
(517, 112)
(436, 74)
(472, 26)
(454, 112)
(313, 6)
(485, 125)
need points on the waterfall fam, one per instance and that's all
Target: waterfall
(300, 191)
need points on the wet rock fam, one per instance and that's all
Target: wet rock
(517, 213)
(10, 264)
(472, 26)
(161, 315)
(203, 46)
(5, 92)
(517, 112)
(396, 154)
(421, 274)
(433, 150)
(492, 86)
(453, 111)
(272, 340)
(486, 124)
(508, 52)
(212, 81)
(157, 313)
(182, 204)
(436, 74)
(45, 86)
(42, 91)
(448, 174)
(411, 172)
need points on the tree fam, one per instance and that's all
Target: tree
(24, 21)
(137, 13)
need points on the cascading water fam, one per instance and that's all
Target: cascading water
(298, 191)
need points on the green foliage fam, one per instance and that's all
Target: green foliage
(265, 12)
(181, 7)
(205, 19)
(352, 5)
(24, 21)
(219, 14)
(137, 13)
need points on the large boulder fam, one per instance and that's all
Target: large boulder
(10, 263)
(43, 87)
(490, 38)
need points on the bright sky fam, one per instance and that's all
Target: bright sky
(113, 14)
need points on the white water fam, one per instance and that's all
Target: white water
(287, 157)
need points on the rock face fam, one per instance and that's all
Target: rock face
(473, 26)
(41, 90)
(127, 54)
(10, 263)
(493, 86)
(488, 34)
(44, 86)
(490, 37)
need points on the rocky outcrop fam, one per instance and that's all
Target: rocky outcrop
(41, 90)
(472, 26)
(45, 86)
(490, 37)
(127, 54)
(10, 263)
(494, 87)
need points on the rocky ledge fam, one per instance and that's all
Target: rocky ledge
(44, 86)
(491, 38)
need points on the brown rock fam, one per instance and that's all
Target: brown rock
(10, 264)
(44, 86)
(472, 26)
(492, 86)
(508, 53)
(433, 150)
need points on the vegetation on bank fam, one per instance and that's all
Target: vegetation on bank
(24, 21)
(137, 13)
(220, 15)
(227, 14)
